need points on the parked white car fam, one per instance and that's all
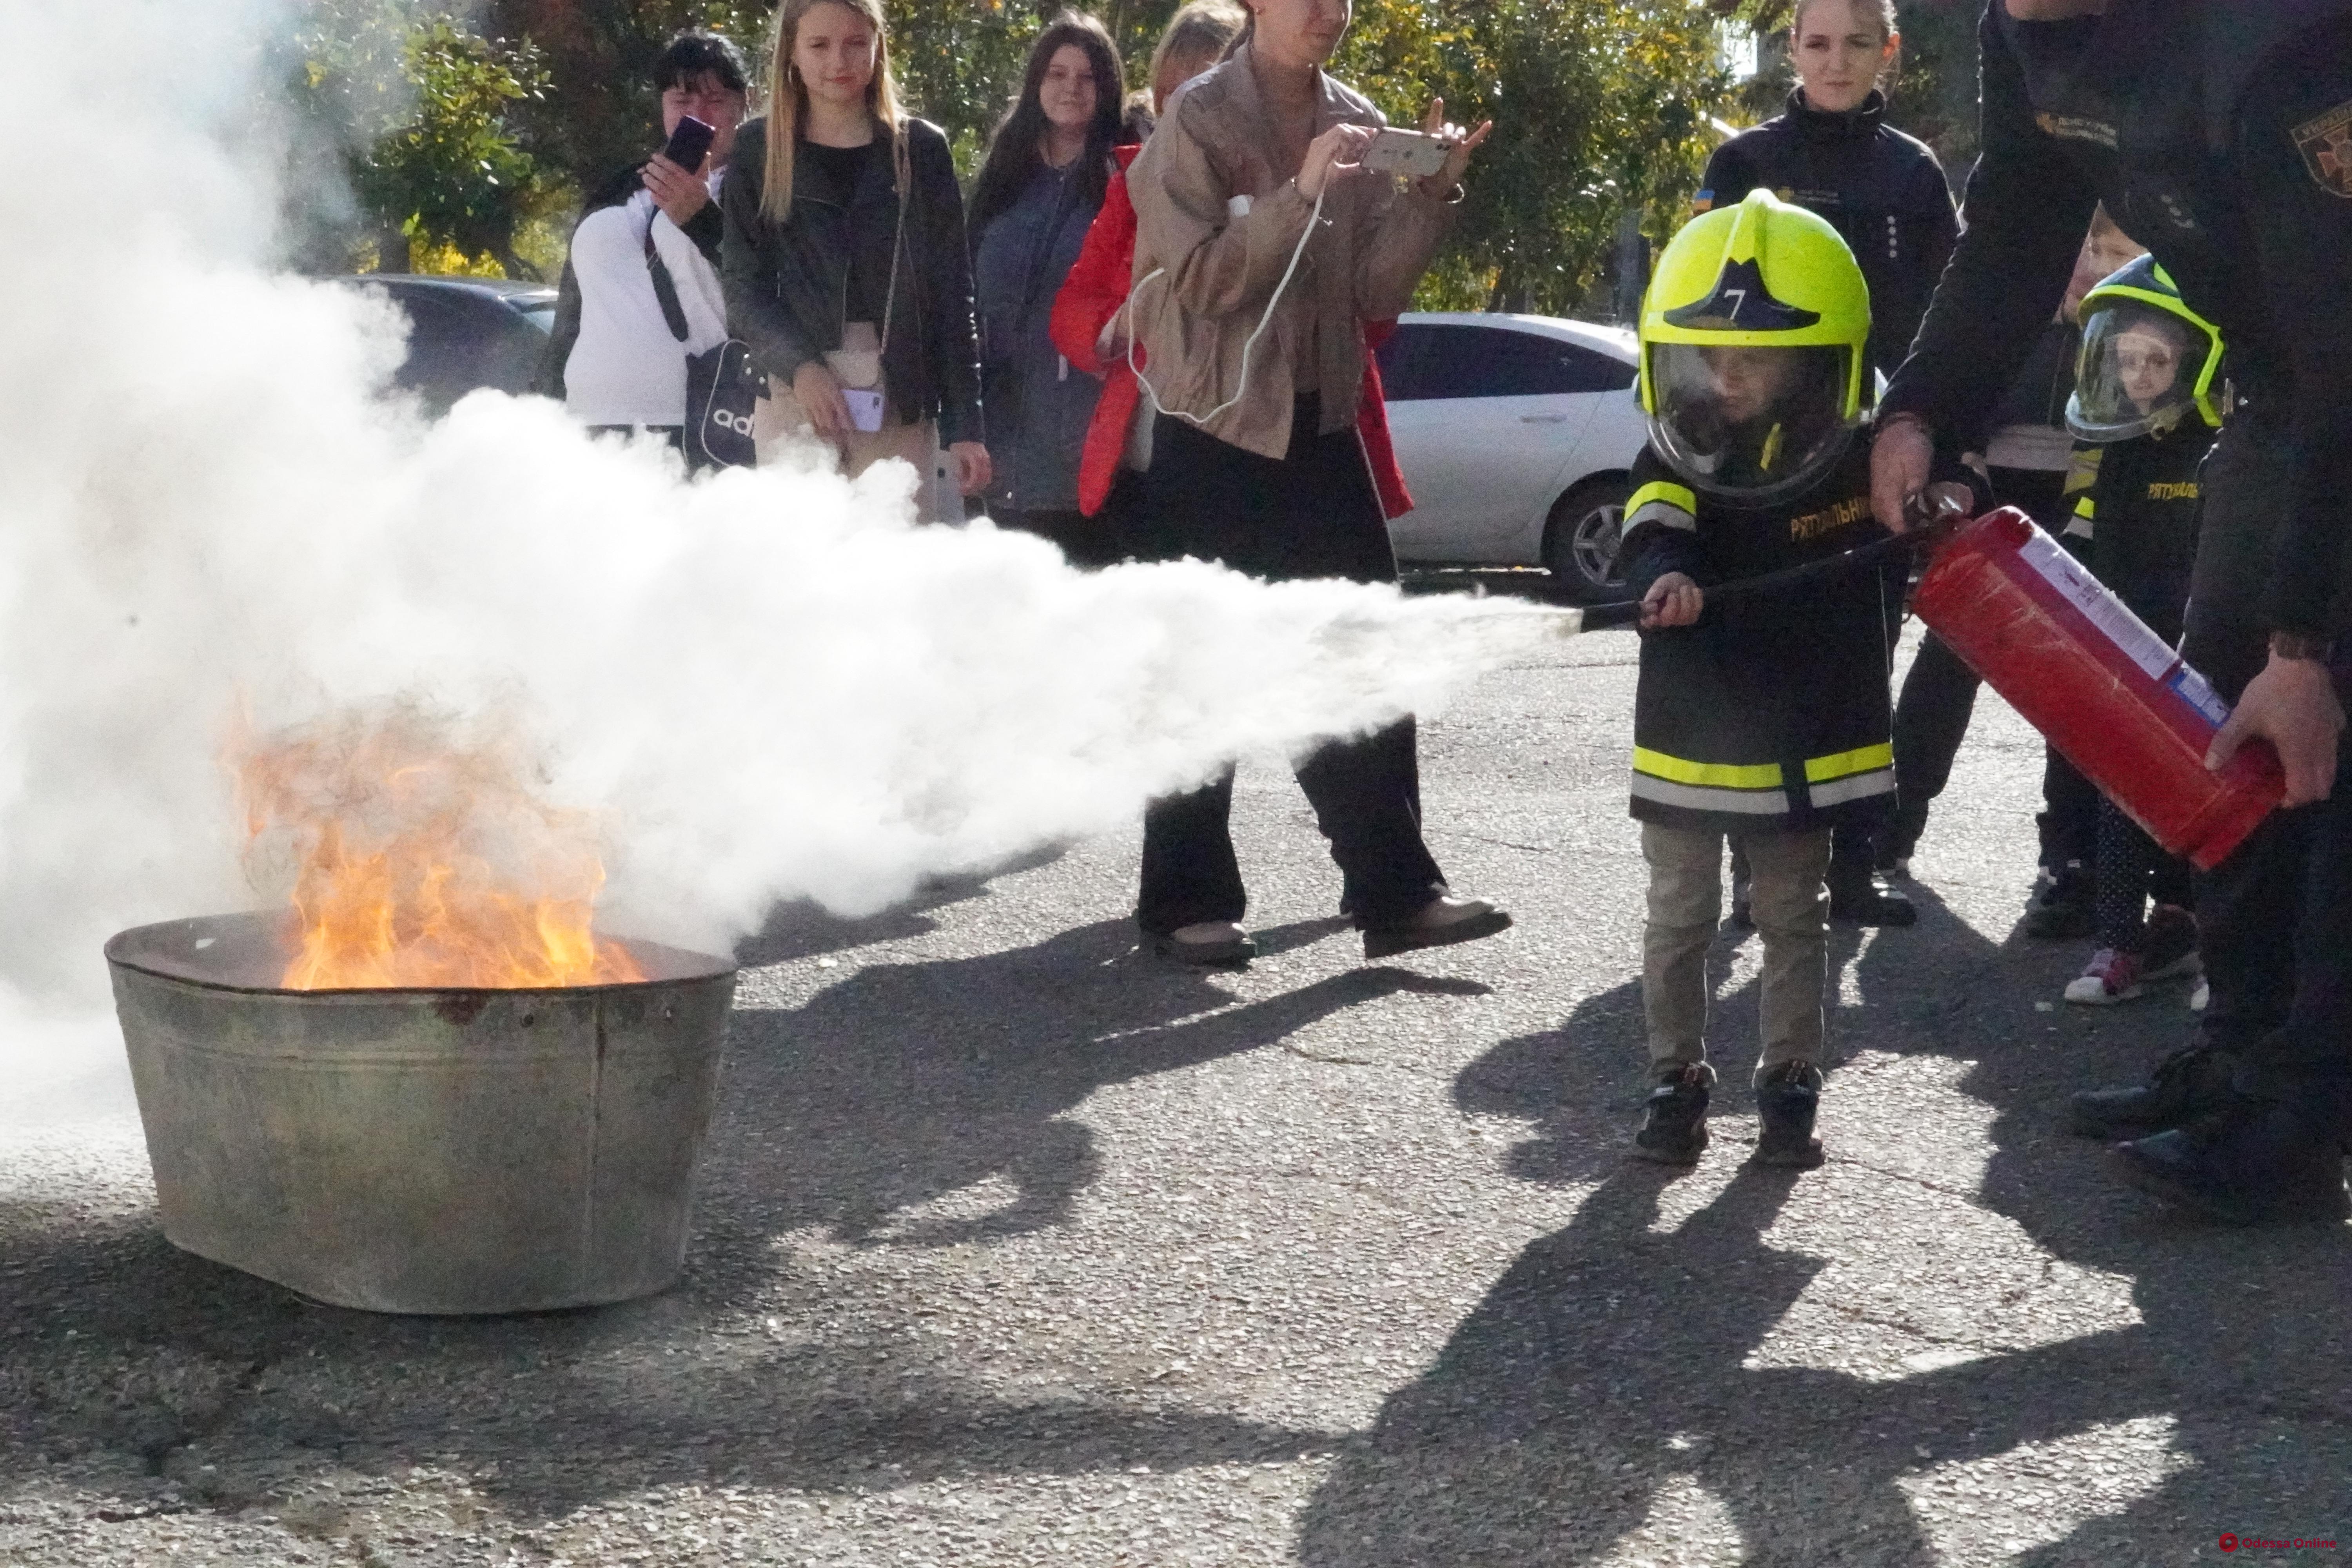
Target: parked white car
(1516, 435)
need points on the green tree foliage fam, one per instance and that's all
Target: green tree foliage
(600, 114)
(419, 104)
(1601, 107)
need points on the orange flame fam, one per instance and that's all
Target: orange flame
(421, 859)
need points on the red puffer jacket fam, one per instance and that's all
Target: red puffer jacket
(1092, 294)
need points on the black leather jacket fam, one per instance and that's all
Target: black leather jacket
(786, 283)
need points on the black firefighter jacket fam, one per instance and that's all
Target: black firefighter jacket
(1771, 717)
(1882, 190)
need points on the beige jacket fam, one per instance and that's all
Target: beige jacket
(1219, 264)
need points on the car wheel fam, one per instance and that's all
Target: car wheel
(1580, 540)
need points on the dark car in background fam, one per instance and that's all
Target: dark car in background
(467, 332)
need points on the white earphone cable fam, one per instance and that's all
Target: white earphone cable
(1248, 346)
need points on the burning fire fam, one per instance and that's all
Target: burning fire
(419, 857)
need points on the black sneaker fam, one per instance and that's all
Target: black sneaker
(1674, 1122)
(2061, 909)
(2260, 1164)
(1865, 900)
(1786, 1099)
(2193, 1081)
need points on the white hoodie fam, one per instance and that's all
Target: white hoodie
(625, 367)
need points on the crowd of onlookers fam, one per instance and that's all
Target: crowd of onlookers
(1144, 331)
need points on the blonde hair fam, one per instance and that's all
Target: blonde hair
(1202, 31)
(1879, 11)
(786, 110)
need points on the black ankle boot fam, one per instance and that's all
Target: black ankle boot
(1786, 1099)
(1674, 1123)
(2255, 1164)
(2191, 1082)
(1863, 900)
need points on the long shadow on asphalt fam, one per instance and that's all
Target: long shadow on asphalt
(1612, 1362)
(905, 1082)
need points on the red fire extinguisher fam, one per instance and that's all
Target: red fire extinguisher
(2115, 700)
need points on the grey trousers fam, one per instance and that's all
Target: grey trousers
(1790, 909)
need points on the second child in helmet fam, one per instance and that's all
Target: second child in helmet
(1763, 722)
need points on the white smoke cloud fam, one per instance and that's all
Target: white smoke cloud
(771, 684)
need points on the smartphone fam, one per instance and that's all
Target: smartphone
(691, 144)
(865, 409)
(1413, 153)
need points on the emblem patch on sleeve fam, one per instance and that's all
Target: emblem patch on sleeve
(2325, 144)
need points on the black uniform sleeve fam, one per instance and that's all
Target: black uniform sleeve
(2299, 202)
(1730, 176)
(947, 271)
(1661, 526)
(1928, 215)
(2027, 208)
(755, 311)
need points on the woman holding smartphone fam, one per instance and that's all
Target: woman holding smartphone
(1263, 246)
(843, 256)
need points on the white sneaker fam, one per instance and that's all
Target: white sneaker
(2198, 997)
(2112, 976)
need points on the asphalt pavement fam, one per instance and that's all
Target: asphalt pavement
(1017, 1245)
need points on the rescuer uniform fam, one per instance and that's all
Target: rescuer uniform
(1883, 192)
(2219, 133)
(1766, 721)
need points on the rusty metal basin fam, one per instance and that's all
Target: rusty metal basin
(421, 1151)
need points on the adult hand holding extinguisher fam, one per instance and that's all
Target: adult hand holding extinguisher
(2293, 705)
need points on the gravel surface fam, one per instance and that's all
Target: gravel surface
(1018, 1246)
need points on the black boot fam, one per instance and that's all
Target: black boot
(2061, 909)
(1858, 898)
(2193, 1081)
(2260, 1163)
(1674, 1123)
(1786, 1099)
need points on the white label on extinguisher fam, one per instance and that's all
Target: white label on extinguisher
(2103, 609)
(2199, 694)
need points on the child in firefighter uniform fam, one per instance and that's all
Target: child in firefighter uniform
(1764, 722)
(2148, 399)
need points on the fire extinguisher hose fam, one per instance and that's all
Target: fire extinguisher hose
(1748, 589)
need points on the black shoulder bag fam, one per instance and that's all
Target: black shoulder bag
(720, 385)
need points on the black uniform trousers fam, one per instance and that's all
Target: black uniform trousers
(2275, 919)
(1939, 696)
(1312, 514)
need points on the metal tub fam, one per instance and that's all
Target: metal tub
(457, 1151)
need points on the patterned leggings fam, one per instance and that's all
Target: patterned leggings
(2129, 870)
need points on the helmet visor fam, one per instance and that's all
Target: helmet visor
(2138, 371)
(1748, 423)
